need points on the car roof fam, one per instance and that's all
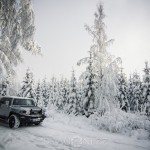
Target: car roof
(15, 97)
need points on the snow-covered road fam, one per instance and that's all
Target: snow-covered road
(57, 135)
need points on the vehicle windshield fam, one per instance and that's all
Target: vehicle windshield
(24, 102)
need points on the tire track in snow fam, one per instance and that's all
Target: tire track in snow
(104, 139)
(41, 141)
(9, 137)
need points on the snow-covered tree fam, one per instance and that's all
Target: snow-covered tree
(57, 100)
(145, 102)
(106, 94)
(45, 93)
(52, 95)
(53, 91)
(89, 88)
(5, 86)
(101, 58)
(122, 95)
(73, 101)
(60, 95)
(130, 92)
(80, 95)
(137, 93)
(104, 64)
(17, 30)
(64, 93)
(27, 89)
(39, 99)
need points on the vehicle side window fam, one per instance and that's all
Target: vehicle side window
(2, 101)
(6, 101)
(16, 102)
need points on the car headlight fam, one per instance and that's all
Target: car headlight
(27, 112)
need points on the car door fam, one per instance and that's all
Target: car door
(1, 107)
(5, 107)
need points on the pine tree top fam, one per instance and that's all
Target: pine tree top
(146, 69)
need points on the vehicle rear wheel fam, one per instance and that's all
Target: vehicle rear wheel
(13, 121)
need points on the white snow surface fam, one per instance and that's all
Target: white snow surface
(64, 132)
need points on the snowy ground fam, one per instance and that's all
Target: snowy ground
(66, 133)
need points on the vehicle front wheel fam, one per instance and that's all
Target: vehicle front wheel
(13, 121)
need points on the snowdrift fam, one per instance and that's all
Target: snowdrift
(132, 124)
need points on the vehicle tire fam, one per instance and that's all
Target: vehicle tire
(13, 121)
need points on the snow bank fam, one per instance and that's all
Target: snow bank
(80, 122)
(135, 125)
(140, 134)
(117, 121)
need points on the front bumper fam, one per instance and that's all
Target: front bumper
(31, 118)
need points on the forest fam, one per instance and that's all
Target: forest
(102, 93)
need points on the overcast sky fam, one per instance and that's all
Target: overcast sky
(63, 39)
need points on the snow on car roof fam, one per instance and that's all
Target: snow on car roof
(15, 97)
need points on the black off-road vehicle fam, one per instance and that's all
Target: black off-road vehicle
(19, 110)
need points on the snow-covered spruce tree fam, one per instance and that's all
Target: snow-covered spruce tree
(60, 95)
(145, 101)
(5, 86)
(64, 92)
(66, 95)
(73, 101)
(45, 93)
(130, 92)
(17, 30)
(52, 94)
(57, 95)
(49, 92)
(89, 89)
(80, 95)
(39, 99)
(122, 95)
(27, 89)
(56, 98)
(53, 91)
(137, 93)
(103, 62)
(101, 58)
